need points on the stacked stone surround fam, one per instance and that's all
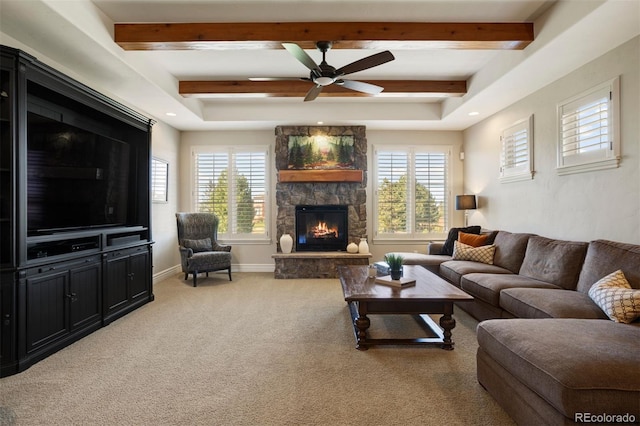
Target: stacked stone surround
(291, 194)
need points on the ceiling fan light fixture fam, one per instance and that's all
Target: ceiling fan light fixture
(324, 81)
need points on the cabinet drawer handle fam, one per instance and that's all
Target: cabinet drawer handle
(52, 268)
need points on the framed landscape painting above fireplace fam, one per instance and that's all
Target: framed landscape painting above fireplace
(321, 152)
(321, 158)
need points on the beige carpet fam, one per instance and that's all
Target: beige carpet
(255, 351)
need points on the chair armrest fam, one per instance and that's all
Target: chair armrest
(219, 247)
(435, 247)
(185, 252)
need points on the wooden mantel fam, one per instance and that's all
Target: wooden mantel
(315, 176)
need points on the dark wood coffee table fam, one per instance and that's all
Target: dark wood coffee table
(430, 295)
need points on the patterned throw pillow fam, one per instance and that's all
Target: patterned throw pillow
(616, 298)
(472, 239)
(198, 245)
(482, 254)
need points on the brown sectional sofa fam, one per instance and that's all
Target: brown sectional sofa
(547, 353)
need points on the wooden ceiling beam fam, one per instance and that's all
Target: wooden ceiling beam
(296, 88)
(344, 35)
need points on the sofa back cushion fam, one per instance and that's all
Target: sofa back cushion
(510, 250)
(554, 261)
(604, 257)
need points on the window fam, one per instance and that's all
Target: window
(159, 180)
(411, 187)
(232, 182)
(516, 159)
(588, 130)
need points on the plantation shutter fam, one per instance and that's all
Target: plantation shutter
(516, 152)
(159, 171)
(248, 189)
(411, 192)
(585, 124)
(431, 186)
(392, 188)
(588, 130)
(209, 168)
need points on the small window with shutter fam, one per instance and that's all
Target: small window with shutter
(588, 130)
(516, 155)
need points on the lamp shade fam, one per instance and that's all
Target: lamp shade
(465, 202)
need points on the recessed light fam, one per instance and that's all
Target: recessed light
(320, 122)
(473, 113)
(171, 114)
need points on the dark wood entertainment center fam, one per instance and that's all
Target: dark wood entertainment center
(70, 262)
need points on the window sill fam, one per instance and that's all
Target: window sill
(528, 175)
(611, 163)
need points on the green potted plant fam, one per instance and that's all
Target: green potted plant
(395, 265)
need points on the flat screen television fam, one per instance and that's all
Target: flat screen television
(77, 178)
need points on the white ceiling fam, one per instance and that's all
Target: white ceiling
(76, 36)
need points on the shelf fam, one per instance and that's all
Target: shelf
(320, 175)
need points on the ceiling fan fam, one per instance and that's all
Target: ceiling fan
(324, 74)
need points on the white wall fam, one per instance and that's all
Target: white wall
(585, 206)
(257, 257)
(165, 145)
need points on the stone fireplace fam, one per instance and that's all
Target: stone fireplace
(319, 191)
(350, 194)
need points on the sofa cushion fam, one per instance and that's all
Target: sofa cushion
(576, 365)
(198, 245)
(510, 250)
(454, 269)
(482, 254)
(487, 287)
(549, 303)
(447, 248)
(209, 261)
(554, 261)
(616, 298)
(604, 257)
(472, 239)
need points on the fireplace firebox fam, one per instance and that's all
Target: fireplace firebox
(322, 228)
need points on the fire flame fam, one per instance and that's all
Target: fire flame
(324, 231)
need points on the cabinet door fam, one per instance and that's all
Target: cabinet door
(116, 285)
(85, 295)
(46, 318)
(7, 183)
(139, 275)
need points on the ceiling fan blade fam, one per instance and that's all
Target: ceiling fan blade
(302, 56)
(313, 93)
(360, 86)
(366, 63)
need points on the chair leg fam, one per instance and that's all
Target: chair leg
(195, 278)
(186, 276)
(230, 274)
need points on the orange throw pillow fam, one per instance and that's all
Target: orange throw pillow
(472, 240)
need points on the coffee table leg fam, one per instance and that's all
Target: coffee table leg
(361, 323)
(447, 323)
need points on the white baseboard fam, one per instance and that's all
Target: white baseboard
(170, 272)
(167, 273)
(268, 267)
